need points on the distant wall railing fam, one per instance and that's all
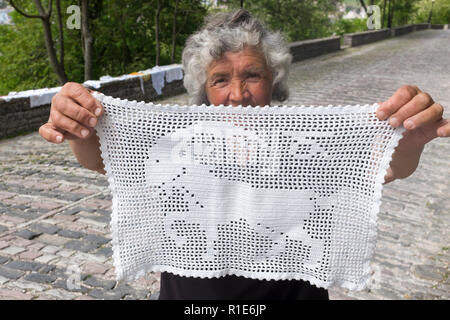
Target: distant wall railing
(361, 38)
(439, 26)
(421, 26)
(365, 37)
(399, 31)
(302, 50)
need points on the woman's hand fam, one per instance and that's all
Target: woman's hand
(73, 114)
(422, 119)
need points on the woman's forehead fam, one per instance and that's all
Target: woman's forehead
(247, 58)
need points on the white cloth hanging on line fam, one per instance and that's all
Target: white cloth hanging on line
(274, 192)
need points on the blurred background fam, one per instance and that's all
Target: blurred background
(41, 44)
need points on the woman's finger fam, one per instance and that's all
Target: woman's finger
(394, 103)
(67, 124)
(416, 106)
(69, 108)
(444, 128)
(431, 114)
(50, 133)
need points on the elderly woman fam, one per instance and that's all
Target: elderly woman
(234, 60)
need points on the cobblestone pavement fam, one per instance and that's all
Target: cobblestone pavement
(54, 215)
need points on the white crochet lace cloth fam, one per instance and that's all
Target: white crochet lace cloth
(274, 192)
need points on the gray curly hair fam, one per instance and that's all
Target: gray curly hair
(230, 31)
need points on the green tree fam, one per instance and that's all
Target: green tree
(403, 12)
(342, 26)
(123, 41)
(23, 57)
(297, 20)
(441, 11)
(125, 34)
(43, 11)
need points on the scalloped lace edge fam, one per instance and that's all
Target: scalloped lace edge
(136, 274)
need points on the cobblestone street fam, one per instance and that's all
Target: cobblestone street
(54, 214)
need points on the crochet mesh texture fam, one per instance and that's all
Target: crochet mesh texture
(274, 192)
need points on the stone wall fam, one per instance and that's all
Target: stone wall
(131, 89)
(399, 31)
(421, 26)
(439, 26)
(21, 113)
(360, 38)
(302, 50)
(17, 116)
(365, 37)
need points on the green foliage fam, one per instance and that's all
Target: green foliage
(404, 12)
(441, 11)
(124, 41)
(297, 20)
(301, 20)
(23, 58)
(417, 11)
(349, 26)
(125, 34)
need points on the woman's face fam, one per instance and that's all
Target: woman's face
(239, 78)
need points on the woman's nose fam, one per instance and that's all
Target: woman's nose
(237, 92)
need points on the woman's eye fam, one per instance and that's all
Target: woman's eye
(253, 76)
(219, 81)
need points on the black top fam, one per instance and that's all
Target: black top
(232, 287)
